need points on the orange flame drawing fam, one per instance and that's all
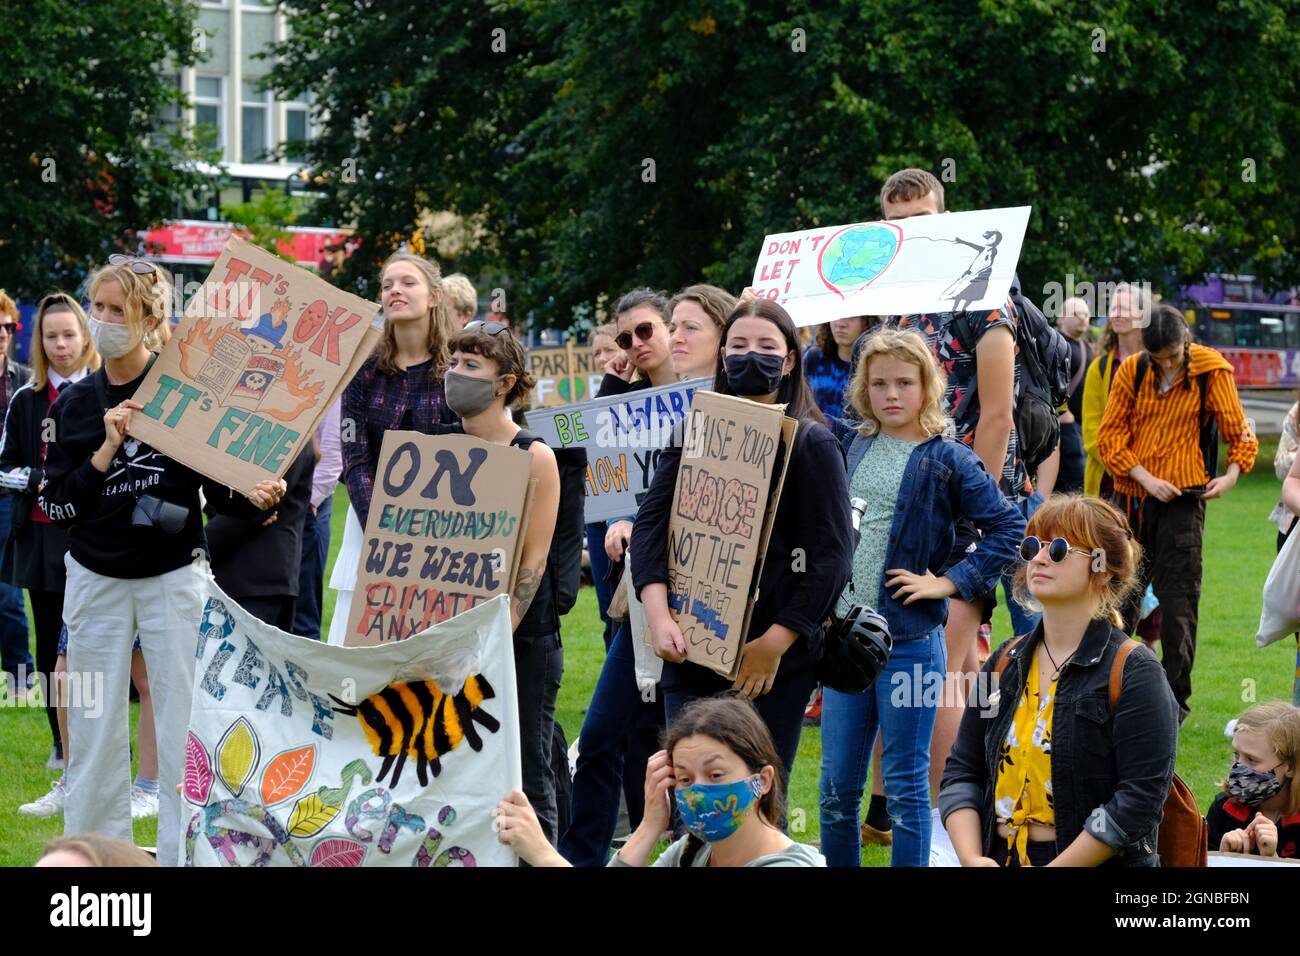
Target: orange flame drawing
(202, 341)
(295, 381)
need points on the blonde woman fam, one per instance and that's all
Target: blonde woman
(399, 387)
(61, 353)
(462, 300)
(1129, 305)
(134, 561)
(917, 485)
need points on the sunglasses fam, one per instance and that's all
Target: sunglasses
(644, 332)
(141, 267)
(488, 328)
(1057, 549)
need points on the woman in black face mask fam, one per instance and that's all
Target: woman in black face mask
(487, 373)
(809, 555)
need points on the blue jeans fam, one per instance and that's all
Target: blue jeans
(599, 576)
(619, 734)
(311, 580)
(15, 651)
(1073, 459)
(903, 704)
(1022, 620)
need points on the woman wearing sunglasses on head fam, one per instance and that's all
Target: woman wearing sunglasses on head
(1049, 720)
(135, 532)
(488, 374)
(399, 387)
(809, 554)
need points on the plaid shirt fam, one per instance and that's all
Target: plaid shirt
(374, 403)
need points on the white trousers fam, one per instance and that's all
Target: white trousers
(103, 616)
(344, 577)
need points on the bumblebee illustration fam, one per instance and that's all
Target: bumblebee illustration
(417, 718)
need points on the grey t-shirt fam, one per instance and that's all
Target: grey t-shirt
(876, 480)
(796, 854)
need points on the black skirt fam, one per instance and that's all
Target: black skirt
(38, 551)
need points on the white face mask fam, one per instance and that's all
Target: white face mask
(111, 339)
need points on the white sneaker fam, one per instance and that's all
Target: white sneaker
(48, 805)
(143, 803)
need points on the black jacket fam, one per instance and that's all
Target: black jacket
(21, 448)
(809, 555)
(1110, 772)
(253, 559)
(97, 507)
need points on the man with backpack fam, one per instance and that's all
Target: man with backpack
(1159, 439)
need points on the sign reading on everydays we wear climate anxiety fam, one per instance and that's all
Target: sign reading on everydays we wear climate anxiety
(264, 350)
(952, 262)
(446, 523)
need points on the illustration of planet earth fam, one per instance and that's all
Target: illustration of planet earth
(858, 255)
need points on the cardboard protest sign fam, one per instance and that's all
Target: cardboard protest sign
(264, 350)
(564, 375)
(623, 436)
(443, 535)
(948, 263)
(291, 759)
(726, 486)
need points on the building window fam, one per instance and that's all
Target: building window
(255, 114)
(209, 105)
(297, 130)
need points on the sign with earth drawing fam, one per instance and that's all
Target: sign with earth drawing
(951, 262)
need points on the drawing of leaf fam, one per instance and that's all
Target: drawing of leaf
(337, 852)
(311, 815)
(198, 771)
(287, 773)
(237, 756)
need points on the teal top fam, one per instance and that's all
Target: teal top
(876, 481)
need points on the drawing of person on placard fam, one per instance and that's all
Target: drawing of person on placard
(972, 284)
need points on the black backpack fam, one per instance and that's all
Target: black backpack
(1209, 439)
(1043, 356)
(564, 561)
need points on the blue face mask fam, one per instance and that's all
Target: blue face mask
(714, 811)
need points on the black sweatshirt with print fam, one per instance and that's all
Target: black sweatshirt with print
(97, 507)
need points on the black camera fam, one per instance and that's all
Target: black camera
(151, 512)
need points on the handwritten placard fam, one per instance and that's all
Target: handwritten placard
(264, 350)
(953, 262)
(444, 529)
(717, 523)
(623, 435)
(564, 375)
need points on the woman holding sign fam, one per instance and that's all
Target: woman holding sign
(399, 387)
(809, 554)
(488, 373)
(133, 565)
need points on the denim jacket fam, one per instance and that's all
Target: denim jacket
(1110, 771)
(943, 481)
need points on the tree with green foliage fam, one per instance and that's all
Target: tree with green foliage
(85, 157)
(597, 147)
(263, 220)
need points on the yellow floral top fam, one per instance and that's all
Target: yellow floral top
(1023, 791)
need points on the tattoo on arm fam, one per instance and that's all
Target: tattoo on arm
(526, 586)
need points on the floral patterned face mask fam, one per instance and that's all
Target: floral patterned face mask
(714, 811)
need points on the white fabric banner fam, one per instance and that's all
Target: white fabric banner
(303, 754)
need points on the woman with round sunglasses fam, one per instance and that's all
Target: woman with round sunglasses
(400, 387)
(1044, 771)
(810, 550)
(135, 556)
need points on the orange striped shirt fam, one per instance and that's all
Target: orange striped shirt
(1161, 432)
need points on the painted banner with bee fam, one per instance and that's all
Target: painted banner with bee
(304, 754)
(446, 525)
(265, 348)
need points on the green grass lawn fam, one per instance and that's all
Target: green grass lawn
(1230, 674)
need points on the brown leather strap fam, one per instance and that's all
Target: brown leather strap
(1001, 663)
(1117, 671)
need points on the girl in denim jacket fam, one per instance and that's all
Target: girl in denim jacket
(916, 486)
